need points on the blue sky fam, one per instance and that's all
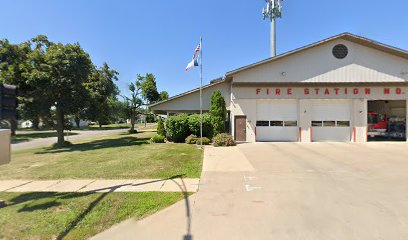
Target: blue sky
(140, 36)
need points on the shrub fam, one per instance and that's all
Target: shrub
(157, 139)
(224, 140)
(192, 139)
(177, 127)
(218, 112)
(160, 128)
(205, 140)
(194, 125)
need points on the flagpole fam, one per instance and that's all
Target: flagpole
(201, 92)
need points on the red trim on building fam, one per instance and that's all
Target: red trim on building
(300, 134)
(354, 134)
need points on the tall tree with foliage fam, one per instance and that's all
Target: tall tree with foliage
(149, 88)
(135, 101)
(103, 93)
(163, 96)
(64, 70)
(17, 65)
(218, 112)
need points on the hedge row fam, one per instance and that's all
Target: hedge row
(179, 127)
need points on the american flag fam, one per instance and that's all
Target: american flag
(194, 61)
(196, 51)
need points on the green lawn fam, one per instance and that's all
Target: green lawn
(81, 215)
(120, 156)
(74, 215)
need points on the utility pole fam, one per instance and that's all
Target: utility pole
(272, 11)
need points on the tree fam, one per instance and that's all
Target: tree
(14, 65)
(64, 71)
(149, 88)
(163, 96)
(218, 112)
(135, 101)
(160, 127)
(120, 111)
(103, 93)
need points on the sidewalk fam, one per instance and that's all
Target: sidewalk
(137, 185)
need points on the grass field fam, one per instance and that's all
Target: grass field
(121, 156)
(81, 215)
(74, 215)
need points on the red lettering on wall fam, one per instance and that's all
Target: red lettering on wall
(355, 91)
(327, 92)
(386, 91)
(336, 91)
(367, 91)
(307, 91)
(258, 91)
(398, 91)
(277, 91)
(346, 91)
(317, 90)
(289, 91)
(267, 91)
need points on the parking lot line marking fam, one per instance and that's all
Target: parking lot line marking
(250, 189)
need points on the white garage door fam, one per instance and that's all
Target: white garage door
(331, 120)
(277, 121)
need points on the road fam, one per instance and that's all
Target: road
(43, 142)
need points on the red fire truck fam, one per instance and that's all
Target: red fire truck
(377, 124)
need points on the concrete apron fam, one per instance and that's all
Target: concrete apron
(186, 219)
(298, 191)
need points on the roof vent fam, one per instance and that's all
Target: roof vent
(340, 51)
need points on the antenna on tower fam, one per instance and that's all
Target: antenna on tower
(273, 11)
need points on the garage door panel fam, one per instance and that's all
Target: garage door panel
(331, 110)
(277, 134)
(283, 111)
(326, 134)
(277, 111)
(262, 111)
(334, 116)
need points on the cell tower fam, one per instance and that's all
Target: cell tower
(273, 11)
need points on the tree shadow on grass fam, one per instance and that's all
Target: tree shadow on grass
(97, 144)
(25, 197)
(30, 196)
(112, 189)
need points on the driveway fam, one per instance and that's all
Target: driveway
(290, 191)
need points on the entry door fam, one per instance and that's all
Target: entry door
(331, 120)
(240, 128)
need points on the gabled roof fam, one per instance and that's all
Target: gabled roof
(212, 83)
(346, 36)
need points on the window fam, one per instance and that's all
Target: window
(343, 123)
(317, 123)
(329, 123)
(276, 123)
(262, 123)
(290, 123)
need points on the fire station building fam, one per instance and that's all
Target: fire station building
(345, 88)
